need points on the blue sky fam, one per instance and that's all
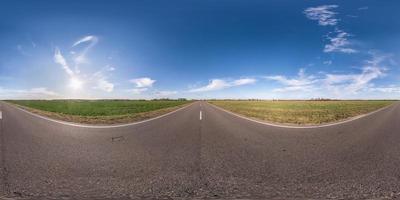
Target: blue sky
(200, 49)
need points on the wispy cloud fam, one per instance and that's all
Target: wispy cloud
(141, 85)
(326, 17)
(138, 90)
(97, 80)
(219, 84)
(339, 43)
(59, 58)
(165, 93)
(335, 85)
(81, 56)
(301, 82)
(100, 79)
(215, 84)
(352, 83)
(243, 81)
(388, 89)
(105, 85)
(372, 69)
(331, 84)
(22, 51)
(90, 38)
(143, 82)
(34, 93)
(363, 8)
(323, 14)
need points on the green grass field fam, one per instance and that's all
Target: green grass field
(301, 112)
(100, 111)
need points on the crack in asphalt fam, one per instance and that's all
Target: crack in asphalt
(117, 139)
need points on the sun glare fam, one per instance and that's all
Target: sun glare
(75, 84)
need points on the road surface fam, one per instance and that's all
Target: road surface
(199, 152)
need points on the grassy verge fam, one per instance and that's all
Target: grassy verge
(301, 112)
(100, 111)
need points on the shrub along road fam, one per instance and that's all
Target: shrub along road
(191, 155)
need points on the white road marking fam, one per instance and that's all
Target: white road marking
(298, 127)
(99, 126)
(1, 115)
(201, 116)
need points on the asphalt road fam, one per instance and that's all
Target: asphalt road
(183, 155)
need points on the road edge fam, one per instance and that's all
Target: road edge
(304, 126)
(96, 126)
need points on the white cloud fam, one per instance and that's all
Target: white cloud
(326, 17)
(21, 50)
(323, 14)
(363, 8)
(343, 84)
(388, 89)
(34, 93)
(110, 68)
(138, 90)
(59, 58)
(327, 62)
(339, 43)
(165, 93)
(300, 82)
(105, 85)
(352, 83)
(76, 80)
(215, 84)
(142, 85)
(336, 85)
(89, 38)
(218, 84)
(143, 82)
(243, 81)
(81, 56)
(98, 80)
(101, 80)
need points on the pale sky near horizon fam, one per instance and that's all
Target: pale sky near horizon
(200, 49)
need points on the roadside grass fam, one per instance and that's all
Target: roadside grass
(301, 112)
(100, 111)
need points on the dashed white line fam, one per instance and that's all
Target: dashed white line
(1, 115)
(201, 115)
